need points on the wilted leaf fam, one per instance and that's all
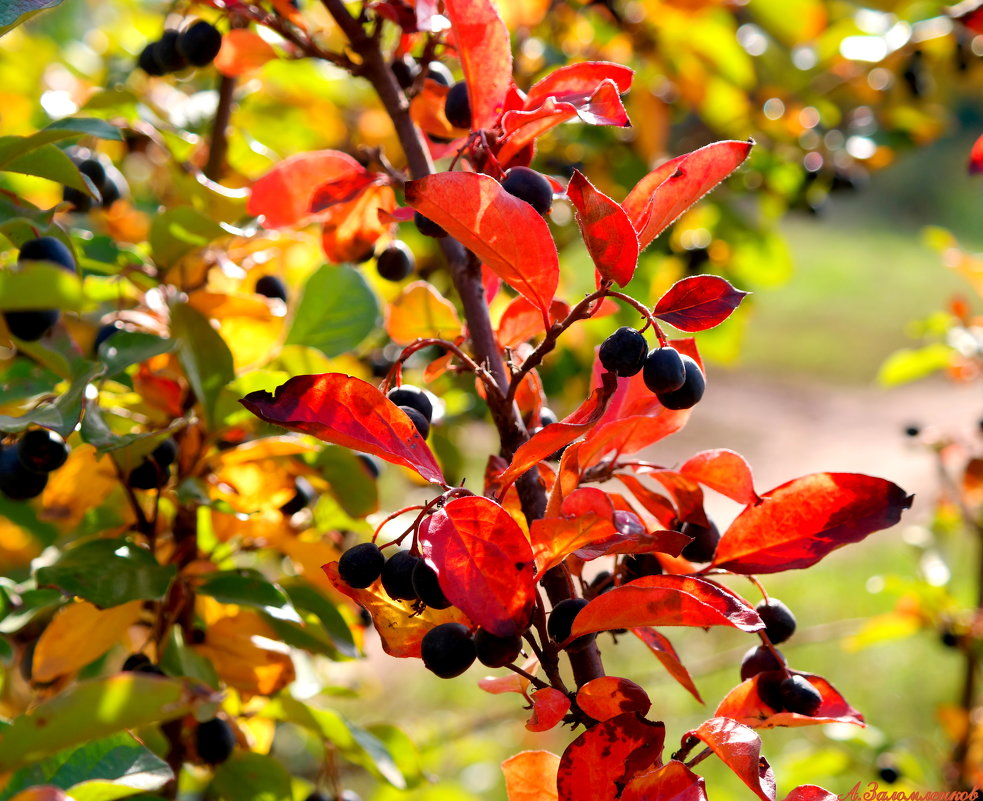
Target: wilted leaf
(484, 563)
(486, 58)
(531, 776)
(698, 302)
(609, 696)
(608, 233)
(549, 706)
(725, 471)
(739, 748)
(421, 312)
(672, 782)
(659, 645)
(347, 411)
(798, 523)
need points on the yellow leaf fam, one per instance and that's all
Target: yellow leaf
(241, 52)
(421, 312)
(63, 504)
(78, 634)
(246, 654)
(17, 548)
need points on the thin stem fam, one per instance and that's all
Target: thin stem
(218, 144)
(539, 684)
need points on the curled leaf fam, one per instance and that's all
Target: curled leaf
(739, 748)
(549, 706)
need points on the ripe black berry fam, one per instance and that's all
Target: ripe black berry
(47, 248)
(759, 660)
(148, 62)
(372, 463)
(949, 638)
(104, 333)
(16, 481)
(495, 651)
(165, 453)
(912, 430)
(888, 773)
(428, 227)
(414, 397)
(560, 623)
(663, 370)
(42, 451)
(406, 69)
(140, 663)
(769, 686)
(396, 262)
(31, 324)
(272, 286)
(704, 544)
(624, 352)
(304, 495)
(421, 422)
(530, 186)
(457, 106)
(628, 523)
(200, 43)
(639, 565)
(147, 475)
(798, 695)
(547, 416)
(427, 586)
(689, 394)
(214, 741)
(448, 650)
(79, 201)
(94, 171)
(167, 53)
(778, 619)
(436, 71)
(397, 576)
(361, 565)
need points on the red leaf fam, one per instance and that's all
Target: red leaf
(810, 792)
(548, 708)
(659, 645)
(521, 321)
(672, 782)
(798, 523)
(725, 471)
(531, 776)
(347, 411)
(660, 507)
(350, 230)
(596, 765)
(506, 233)
(976, 157)
(666, 601)
(630, 434)
(486, 57)
(698, 302)
(666, 192)
(340, 191)
(739, 748)
(670, 542)
(745, 705)
(512, 682)
(555, 538)
(575, 81)
(685, 492)
(284, 194)
(608, 233)
(484, 563)
(609, 696)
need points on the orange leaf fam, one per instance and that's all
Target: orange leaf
(350, 230)
(531, 776)
(232, 645)
(609, 696)
(242, 51)
(745, 705)
(608, 233)
(421, 312)
(725, 471)
(976, 157)
(739, 748)
(672, 782)
(659, 645)
(548, 708)
(555, 538)
(511, 683)
(486, 57)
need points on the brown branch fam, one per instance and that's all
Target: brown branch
(218, 143)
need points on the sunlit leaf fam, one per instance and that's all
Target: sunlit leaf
(659, 645)
(242, 51)
(739, 748)
(671, 782)
(350, 230)
(745, 705)
(608, 233)
(247, 776)
(337, 310)
(609, 696)
(572, 81)
(421, 312)
(911, 364)
(698, 302)
(178, 231)
(531, 776)
(722, 470)
(810, 792)
(486, 57)
(204, 355)
(17, 12)
(549, 706)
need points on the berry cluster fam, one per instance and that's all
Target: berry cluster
(24, 466)
(405, 577)
(107, 180)
(32, 324)
(197, 46)
(415, 404)
(155, 470)
(674, 377)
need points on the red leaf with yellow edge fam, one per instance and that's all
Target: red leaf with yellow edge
(484, 563)
(659, 645)
(810, 792)
(350, 230)
(400, 628)
(513, 682)
(797, 524)
(608, 233)
(577, 81)
(597, 765)
(506, 233)
(531, 776)
(549, 706)
(521, 321)
(242, 51)
(421, 312)
(698, 302)
(486, 57)
(231, 645)
(666, 601)
(609, 696)
(555, 538)
(672, 782)
(666, 192)
(284, 195)
(347, 411)
(739, 748)
(745, 704)
(976, 157)
(725, 471)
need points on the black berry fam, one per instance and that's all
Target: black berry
(42, 451)
(436, 71)
(624, 352)
(799, 696)
(406, 70)
(428, 227)
(148, 62)
(547, 416)
(689, 394)
(31, 324)
(104, 333)
(427, 586)
(759, 660)
(457, 106)
(769, 686)
(165, 453)
(304, 495)
(530, 186)
(664, 370)
(148, 475)
(414, 397)
(200, 43)
(949, 638)
(628, 523)
(396, 262)
(448, 650)
(272, 286)
(704, 544)
(639, 565)
(397, 576)
(140, 663)
(79, 201)
(778, 619)
(167, 53)
(47, 248)
(16, 481)
(560, 623)
(912, 430)
(421, 422)
(495, 652)
(214, 741)
(361, 565)
(888, 773)
(372, 464)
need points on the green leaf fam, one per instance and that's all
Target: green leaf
(14, 147)
(177, 232)
(354, 743)
(63, 414)
(40, 285)
(907, 365)
(49, 162)
(306, 598)
(33, 603)
(17, 12)
(403, 750)
(336, 312)
(100, 770)
(94, 709)
(180, 660)
(245, 587)
(247, 776)
(297, 635)
(91, 126)
(125, 348)
(108, 573)
(25, 516)
(203, 354)
(352, 486)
